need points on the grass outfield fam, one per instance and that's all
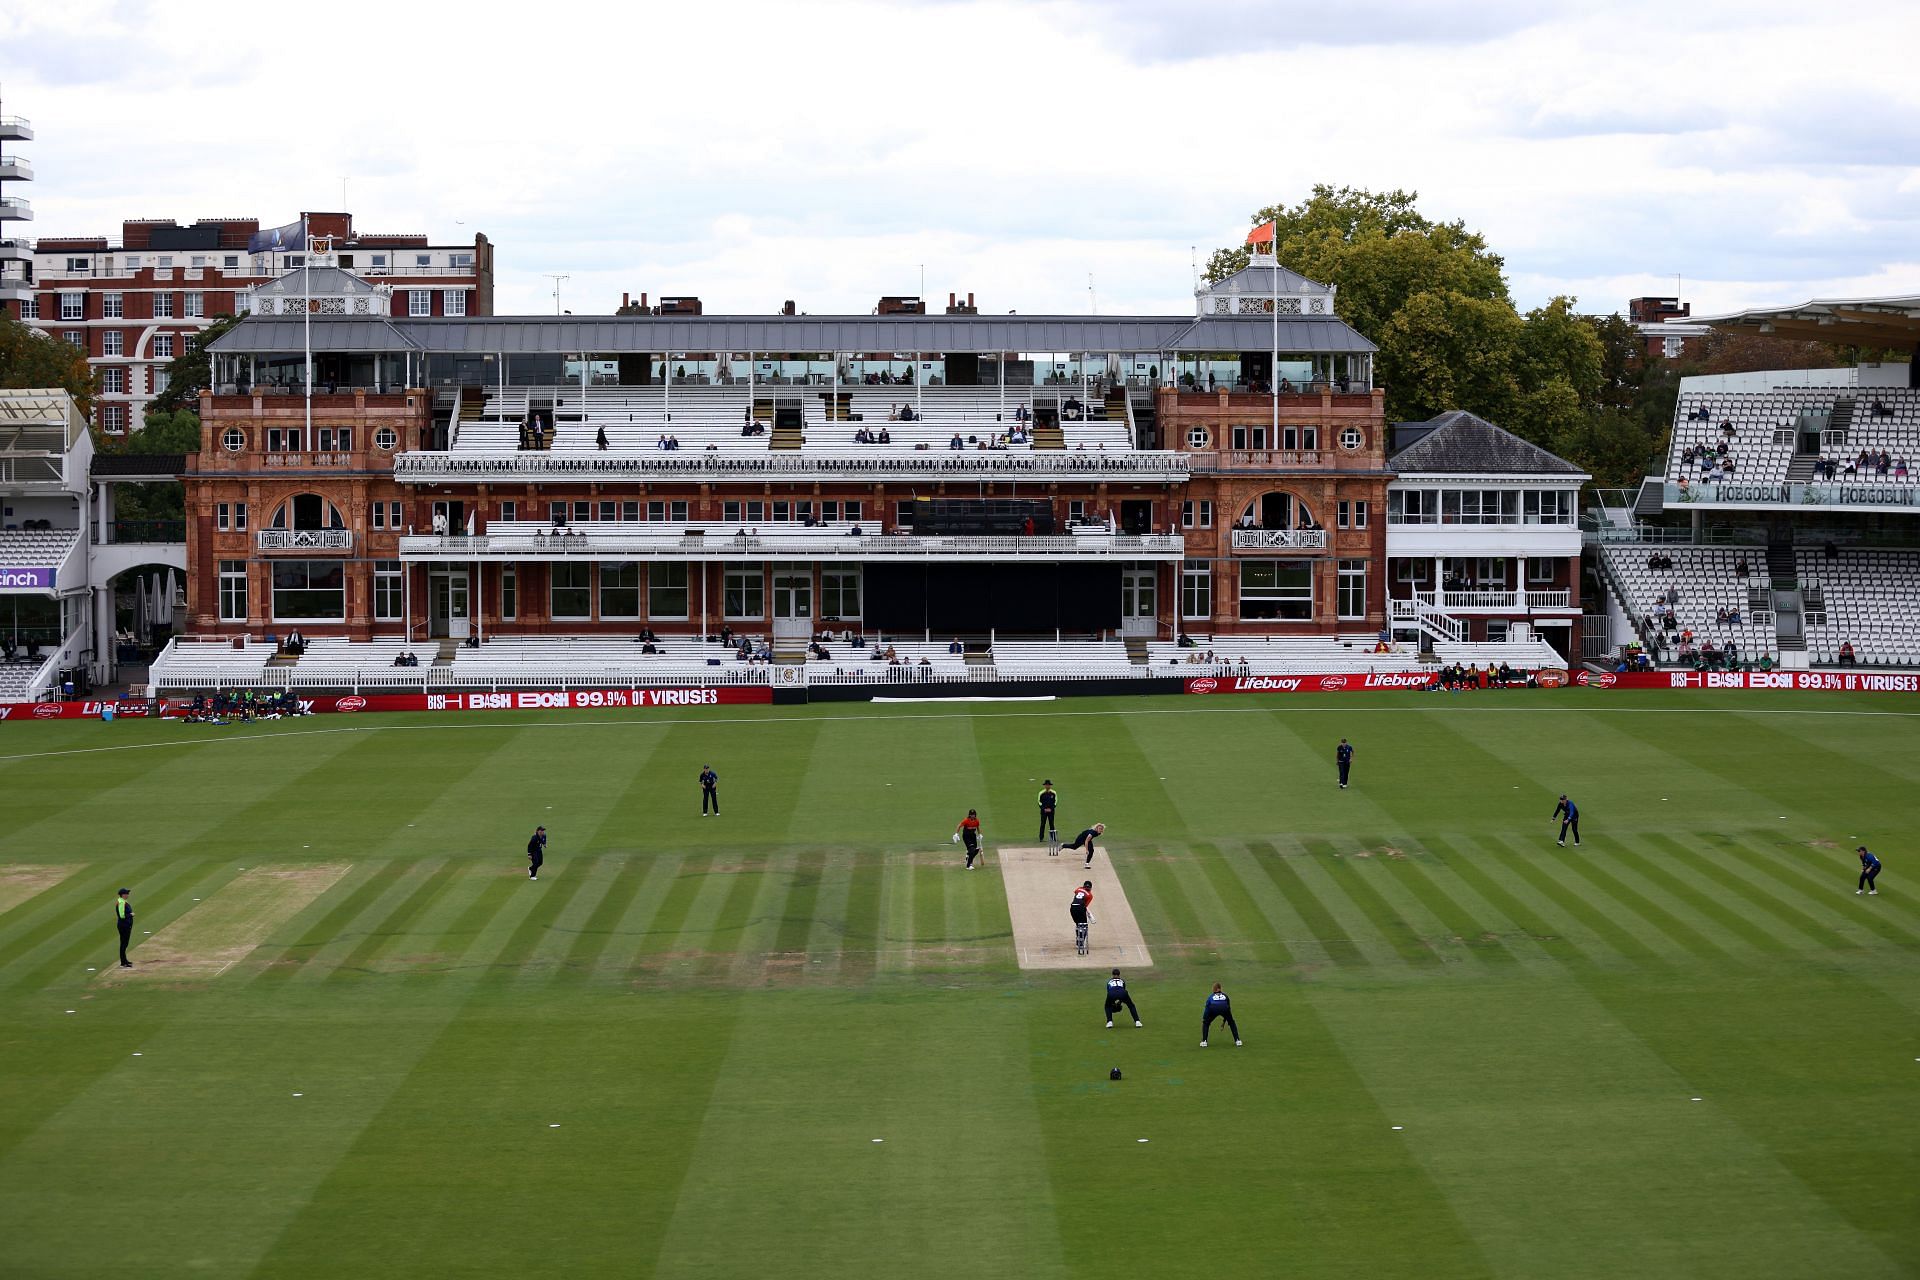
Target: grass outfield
(1686, 1049)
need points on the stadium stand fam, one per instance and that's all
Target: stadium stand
(211, 664)
(1703, 581)
(36, 546)
(548, 661)
(333, 662)
(1063, 660)
(1864, 599)
(1880, 442)
(1279, 656)
(1764, 427)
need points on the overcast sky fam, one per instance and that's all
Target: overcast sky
(751, 152)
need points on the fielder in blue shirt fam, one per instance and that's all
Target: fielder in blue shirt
(1218, 1006)
(1869, 872)
(1343, 756)
(1569, 815)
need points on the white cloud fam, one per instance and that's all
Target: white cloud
(824, 151)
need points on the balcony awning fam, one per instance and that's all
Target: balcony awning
(565, 335)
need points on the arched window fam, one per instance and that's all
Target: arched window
(1277, 509)
(307, 511)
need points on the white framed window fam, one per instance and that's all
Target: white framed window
(196, 304)
(1351, 438)
(1199, 437)
(113, 305)
(79, 264)
(30, 308)
(509, 511)
(509, 593)
(233, 591)
(463, 261)
(1408, 572)
(164, 262)
(1360, 514)
(113, 418)
(743, 593)
(453, 302)
(667, 591)
(113, 343)
(163, 346)
(1304, 439)
(1248, 437)
(419, 302)
(377, 517)
(113, 381)
(903, 514)
(386, 590)
(76, 338)
(557, 512)
(73, 306)
(609, 511)
(1196, 589)
(1076, 510)
(161, 380)
(223, 517)
(309, 591)
(233, 439)
(198, 260)
(231, 262)
(1540, 570)
(1196, 514)
(629, 511)
(422, 259)
(570, 594)
(852, 511)
(162, 306)
(582, 511)
(379, 262)
(1352, 590)
(840, 591)
(1276, 590)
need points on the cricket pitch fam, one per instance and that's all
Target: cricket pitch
(1039, 887)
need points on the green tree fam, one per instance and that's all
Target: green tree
(191, 372)
(32, 359)
(161, 433)
(1444, 350)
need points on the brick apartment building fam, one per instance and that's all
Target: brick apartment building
(132, 306)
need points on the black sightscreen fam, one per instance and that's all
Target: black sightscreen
(1034, 599)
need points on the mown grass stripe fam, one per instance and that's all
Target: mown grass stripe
(549, 901)
(1320, 874)
(859, 946)
(826, 926)
(1354, 877)
(1613, 875)
(1597, 884)
(671, 919)
(595, 933)
(375, 879)
(1289, 931)
(597, 875)
(1522, 866)
(1215, 890)
(757, 959)
(1660, 869)
(629, 934)
(1341, 948)
(722, 914)
(896, 939)
(429, 878)
(930, 875)
(363, 932)
(1796, 890)
(1481, 934)
(1167, 907)
(1790, 916)
(195, 879)
(1526, 913)
(496, 891)
(62, 908)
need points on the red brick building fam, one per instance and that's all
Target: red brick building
(133, 305)
(1226, 474)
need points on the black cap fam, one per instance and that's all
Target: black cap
(1861, 849)
(1047, 783)
(130, 891)
(1087, 885)
(1116, 973)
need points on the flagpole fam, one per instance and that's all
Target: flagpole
(1273, 368)
(306, 324)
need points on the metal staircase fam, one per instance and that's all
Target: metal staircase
(1434, 623)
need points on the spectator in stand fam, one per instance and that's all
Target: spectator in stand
(1740, 567)
(885, 437)
(956, 442)
(955, 646)
(1846, 653)
(600, 438)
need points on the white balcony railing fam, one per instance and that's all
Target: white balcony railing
(1279, 539)
(437, 468)
(304, 539)
(611, 544)
(1494, 601)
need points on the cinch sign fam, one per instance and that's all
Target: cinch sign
(33, 578)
